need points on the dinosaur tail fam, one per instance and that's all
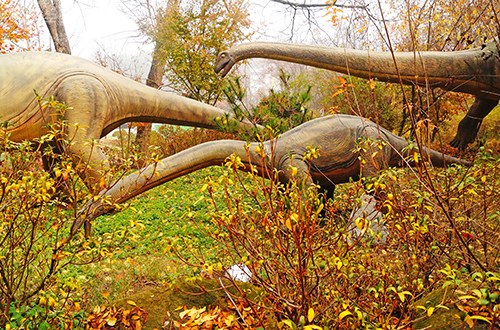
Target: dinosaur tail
(440, 159)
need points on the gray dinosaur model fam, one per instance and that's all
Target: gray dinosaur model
(99, 100)
(475, 71)
(335, 136)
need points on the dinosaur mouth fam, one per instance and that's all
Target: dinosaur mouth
(224, 68)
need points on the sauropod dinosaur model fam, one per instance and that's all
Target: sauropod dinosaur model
(335, 136)
(99, 100)
(475, 71)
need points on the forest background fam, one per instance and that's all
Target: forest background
(440, 238)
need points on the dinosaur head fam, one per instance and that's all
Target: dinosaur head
(225, 62)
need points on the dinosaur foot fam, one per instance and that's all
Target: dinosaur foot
(461, 141)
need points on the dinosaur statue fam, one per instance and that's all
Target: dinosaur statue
(336, 136)
(475, 71)
(98, 100)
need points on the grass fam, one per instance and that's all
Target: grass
(174, 211)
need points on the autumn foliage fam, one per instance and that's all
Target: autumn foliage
(18, 26)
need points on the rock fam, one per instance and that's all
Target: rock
(186, 292)
(369, 211)
(443, 318)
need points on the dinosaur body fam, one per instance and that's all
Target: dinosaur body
(475, 71)
(99, 100)
(336, 136)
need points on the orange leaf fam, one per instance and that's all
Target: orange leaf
(338, 92)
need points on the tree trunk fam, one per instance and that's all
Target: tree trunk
(154, 80)
(51, 10)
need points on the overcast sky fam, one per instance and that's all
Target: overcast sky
(103, 25)
(96, 24)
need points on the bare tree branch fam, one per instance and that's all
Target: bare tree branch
(320, 5)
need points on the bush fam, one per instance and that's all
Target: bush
(280, 111)
(300, 248)
(171, 139)
(37, 210)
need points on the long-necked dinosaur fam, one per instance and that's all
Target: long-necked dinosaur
(475, 71)
(336, 137)
(99, 100)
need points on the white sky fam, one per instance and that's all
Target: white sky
(101, 25)
(93, 24)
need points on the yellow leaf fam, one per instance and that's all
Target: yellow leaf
(430, 311)
(111, 321)
(482, 318)
(360, 223)
(289, 323)
(130, 302)
(312, 327)
(415, 157)
(372, 84)
(402, 295)
(288, 224)
(344, 314)
(470, 322)
(310, 315)
(361, 30)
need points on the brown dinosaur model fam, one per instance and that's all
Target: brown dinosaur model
(335, 136)
(99, 100)
(475, 71)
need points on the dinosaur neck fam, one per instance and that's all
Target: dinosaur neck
(459, 71)
(140, 103)
(183, 163)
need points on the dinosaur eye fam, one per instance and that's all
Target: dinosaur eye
(223, 55)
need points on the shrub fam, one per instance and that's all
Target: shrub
(37, 210)
(300, 248)
(171, 139)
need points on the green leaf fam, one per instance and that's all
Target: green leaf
(289, 323)
(402, 295)
(483, 302)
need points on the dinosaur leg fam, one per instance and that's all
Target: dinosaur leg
(469, 125)
(374, 160)
(49, 162)
(296, 168)
(88, 104)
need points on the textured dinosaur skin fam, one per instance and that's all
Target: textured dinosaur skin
(336, 136)
(99, 100)
(475, 71)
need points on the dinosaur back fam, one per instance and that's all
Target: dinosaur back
(24, 73)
